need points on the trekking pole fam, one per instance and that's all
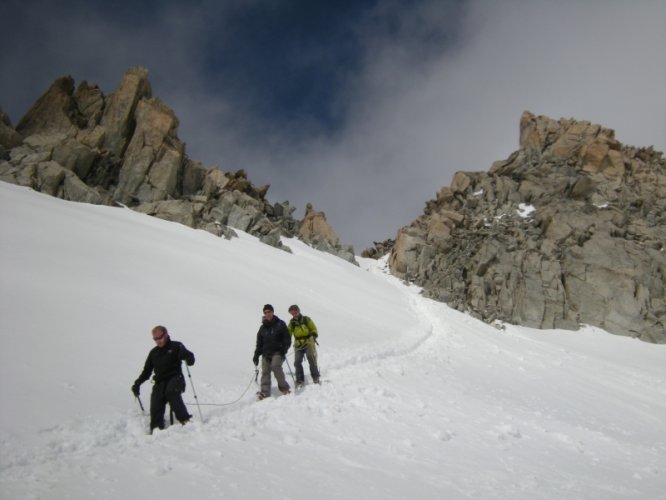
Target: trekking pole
(290, 372)
(140, 404)
(194, 392)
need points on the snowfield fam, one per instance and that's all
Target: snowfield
(418, 401)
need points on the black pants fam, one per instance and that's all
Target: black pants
(168, 391)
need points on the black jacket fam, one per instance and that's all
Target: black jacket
(165, 362)
(272, 337)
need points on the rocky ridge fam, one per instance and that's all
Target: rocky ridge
(569, 230)
(80, 145)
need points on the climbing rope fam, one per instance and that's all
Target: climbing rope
(254, 377)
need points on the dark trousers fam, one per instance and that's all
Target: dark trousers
(309, 351)
(168, 391)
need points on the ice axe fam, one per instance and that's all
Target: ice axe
(140, 403)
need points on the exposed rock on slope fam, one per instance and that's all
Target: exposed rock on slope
(81, 145)
(570, 229)
(378, 249)
(316, 230)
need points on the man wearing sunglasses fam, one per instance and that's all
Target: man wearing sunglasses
(273, 342)
(165, 360)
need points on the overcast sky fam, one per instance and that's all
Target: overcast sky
(364, 108)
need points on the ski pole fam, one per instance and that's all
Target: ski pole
(140, 404)
(290, 372)
(194, 392)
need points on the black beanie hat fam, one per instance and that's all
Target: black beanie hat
(268, 307)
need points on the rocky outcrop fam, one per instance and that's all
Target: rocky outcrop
(378, 249)
(54, 112)
(81, 145)
(9, 137)
(316, 231)
(118, 116)
(569, 230)
(154, 156)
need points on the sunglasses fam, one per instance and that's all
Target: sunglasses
(159, 338)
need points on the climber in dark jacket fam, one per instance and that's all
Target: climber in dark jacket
(165, 360)
(273, 341)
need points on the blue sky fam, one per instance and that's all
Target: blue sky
(364, 108)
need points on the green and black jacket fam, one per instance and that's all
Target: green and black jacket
(302, 328)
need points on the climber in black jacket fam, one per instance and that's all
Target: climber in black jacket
(273, 341)
(165, 360)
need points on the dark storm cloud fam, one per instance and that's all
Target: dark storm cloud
(365, 109)
(91, 41)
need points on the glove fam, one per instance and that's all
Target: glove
(255, 360)
(135, 390)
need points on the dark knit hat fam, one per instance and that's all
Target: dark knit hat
(293, 307)
(268, 307)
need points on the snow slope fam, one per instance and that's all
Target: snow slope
(419, 401)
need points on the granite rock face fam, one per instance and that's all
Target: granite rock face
(569, 230)
(316, 231)
(80, 145)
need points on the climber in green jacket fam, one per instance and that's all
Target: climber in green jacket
(304, 331)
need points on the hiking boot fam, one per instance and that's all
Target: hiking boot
(316, 380)
(158, 427)
(285, 391)
(261, 395)
(299, 384)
